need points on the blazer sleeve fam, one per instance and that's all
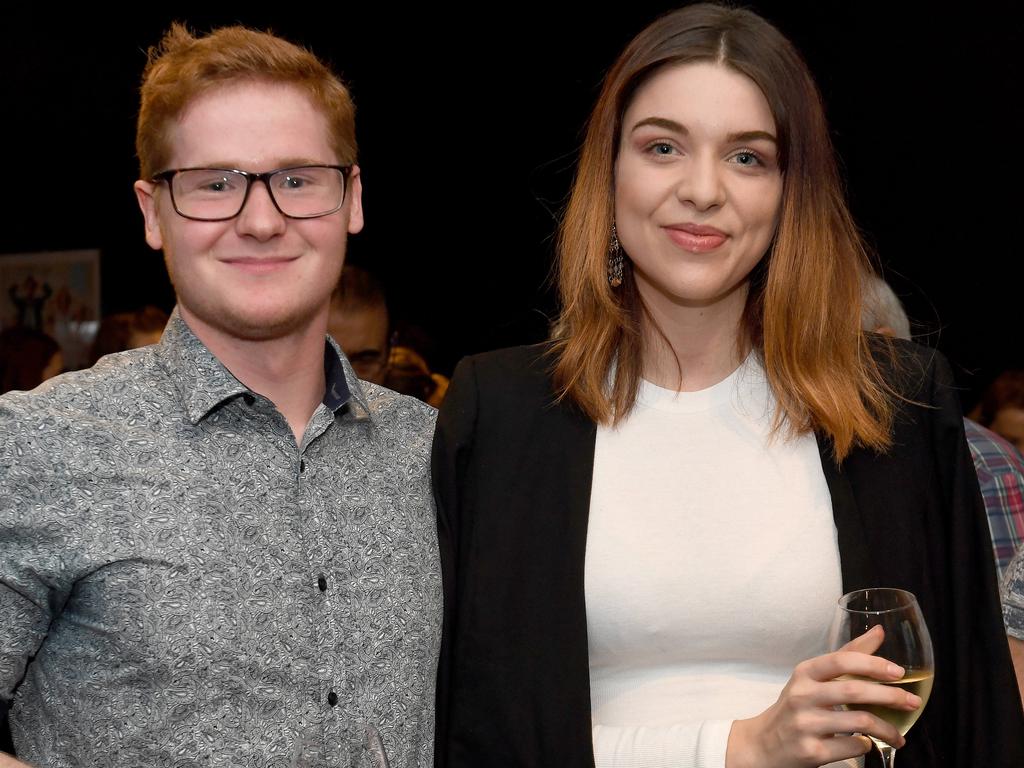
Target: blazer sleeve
(988, 725)
(453, 442)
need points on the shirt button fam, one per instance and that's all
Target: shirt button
(332, 698)
(302, 465)
(322, 583)
(249, 399)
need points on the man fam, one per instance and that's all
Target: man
(359, 322)
(1000, 469)
(1013, 614)
(221, 550)
(1002, 407)
(999, 465)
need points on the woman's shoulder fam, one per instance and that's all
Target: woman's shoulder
(513, 387)
(513, 372)
(913, 371)
(526, 360)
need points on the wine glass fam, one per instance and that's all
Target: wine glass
(906, 643)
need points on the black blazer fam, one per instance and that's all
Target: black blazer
(512, 477)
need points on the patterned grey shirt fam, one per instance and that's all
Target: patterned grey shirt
(1013, 596)
(182, 585)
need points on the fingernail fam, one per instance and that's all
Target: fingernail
(895, 670)
(913, 700)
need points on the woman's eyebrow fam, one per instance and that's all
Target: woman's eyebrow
(676, 127)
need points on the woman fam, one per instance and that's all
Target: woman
(646, 524)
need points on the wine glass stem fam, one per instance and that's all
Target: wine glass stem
(888, 754)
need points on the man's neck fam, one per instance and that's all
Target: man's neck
(288, 370)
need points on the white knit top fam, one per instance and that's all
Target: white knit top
(712, 569)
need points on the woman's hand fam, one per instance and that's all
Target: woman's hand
(800, 728)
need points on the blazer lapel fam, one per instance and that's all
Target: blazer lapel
(857, 557)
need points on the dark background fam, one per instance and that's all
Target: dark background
(469, 121)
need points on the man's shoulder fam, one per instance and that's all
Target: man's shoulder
(991, 453)
(395, 412)
(112, 391)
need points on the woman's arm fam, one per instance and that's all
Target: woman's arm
(453, 438)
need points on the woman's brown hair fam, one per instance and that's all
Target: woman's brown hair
(803, 307)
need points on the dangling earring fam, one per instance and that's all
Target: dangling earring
(614, 260)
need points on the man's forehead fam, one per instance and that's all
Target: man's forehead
(252, 125)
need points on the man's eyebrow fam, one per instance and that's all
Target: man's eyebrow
(676, 127)
(287, 162)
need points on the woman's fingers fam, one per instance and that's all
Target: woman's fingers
(840, 748)
(838, 692)
(869, 642)
(859, 721)
(853, 660)
(817, 714)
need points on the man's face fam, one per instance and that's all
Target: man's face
(1009, 424)
(362, 333)
(260, 275)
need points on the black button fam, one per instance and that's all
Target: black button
(322, 583)
(302, 465)
(249, 399)
(332, 698)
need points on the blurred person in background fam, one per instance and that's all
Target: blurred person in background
(361, 324)
(999, 465)
(1002, 407)
(27, 358)
(129, 330)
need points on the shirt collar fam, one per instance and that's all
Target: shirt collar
(204, 383)
(343, 386)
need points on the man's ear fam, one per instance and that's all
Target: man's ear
(145, 193)
(354, 193)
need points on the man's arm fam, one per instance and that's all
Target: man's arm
(34, 582)
(1016, 653)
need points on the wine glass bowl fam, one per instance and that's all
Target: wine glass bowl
(905, 642)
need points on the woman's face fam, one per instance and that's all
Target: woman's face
(697, 186)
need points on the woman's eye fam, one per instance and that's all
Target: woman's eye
(746, 158)
(661, 148)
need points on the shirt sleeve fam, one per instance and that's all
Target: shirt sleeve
(684, 745)
(32, 591)
(1013, 596)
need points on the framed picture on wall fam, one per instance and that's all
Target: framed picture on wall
(56, 292)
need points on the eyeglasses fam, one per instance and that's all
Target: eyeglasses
(219, 194)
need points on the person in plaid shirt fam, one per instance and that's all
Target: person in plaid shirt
(999, 465)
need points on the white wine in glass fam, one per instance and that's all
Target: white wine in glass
(906, 642)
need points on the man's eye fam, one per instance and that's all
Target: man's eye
(210, 183)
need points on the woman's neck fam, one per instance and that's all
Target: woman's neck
(697, 347)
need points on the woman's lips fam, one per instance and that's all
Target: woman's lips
(696, 239)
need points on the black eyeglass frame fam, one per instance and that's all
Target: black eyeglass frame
(168, 177)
